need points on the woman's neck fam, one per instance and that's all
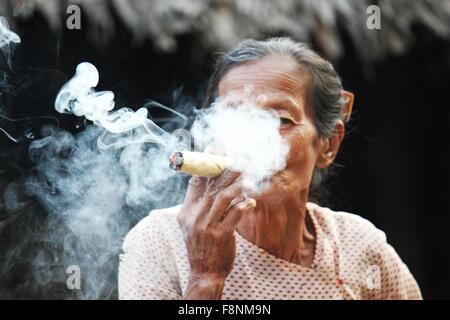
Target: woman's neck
(283, 230)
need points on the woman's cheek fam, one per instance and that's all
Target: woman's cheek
(294, 140)
(296, 175)
(301, 160)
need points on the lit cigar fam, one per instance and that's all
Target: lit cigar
(199, 163)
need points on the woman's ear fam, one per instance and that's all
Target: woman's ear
(329, 147)
(347, 109)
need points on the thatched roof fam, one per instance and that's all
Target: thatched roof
(219, 24)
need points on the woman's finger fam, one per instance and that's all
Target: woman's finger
(234, 215)
(224, 200)
(196, 189)
(215, 185)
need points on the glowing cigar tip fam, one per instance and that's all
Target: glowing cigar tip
(176, 160)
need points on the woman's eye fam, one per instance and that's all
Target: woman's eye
(286, 121)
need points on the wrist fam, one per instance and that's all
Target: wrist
(206, 278)
(204, 286)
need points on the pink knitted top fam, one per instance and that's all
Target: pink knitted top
(352, 261)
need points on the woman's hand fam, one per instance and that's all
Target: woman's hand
(208, 219)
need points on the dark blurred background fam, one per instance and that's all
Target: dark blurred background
(395, 158)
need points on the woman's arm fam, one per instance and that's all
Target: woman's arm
(396, 281)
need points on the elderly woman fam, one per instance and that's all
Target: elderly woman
(223, 244)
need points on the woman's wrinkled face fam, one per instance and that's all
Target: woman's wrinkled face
(278, 83)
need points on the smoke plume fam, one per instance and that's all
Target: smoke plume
(7, 40)
(246, 133)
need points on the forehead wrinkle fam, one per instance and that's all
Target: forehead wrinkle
(261, 76)
(275, 74)
(283, 84)
(286, 74)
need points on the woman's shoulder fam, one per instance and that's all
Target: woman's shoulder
(164, 216)
(356, 237)
(345, 225)
(158, 225)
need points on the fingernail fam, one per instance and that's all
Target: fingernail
(237, 200)
(247, 204)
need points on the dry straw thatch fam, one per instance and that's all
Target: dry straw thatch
(219, 24)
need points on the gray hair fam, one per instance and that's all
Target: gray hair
(325, 99)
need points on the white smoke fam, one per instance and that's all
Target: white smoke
(79, 97)
(91, 188)
(7, 39)
(249, 135)
(97, 184)
(93, 198)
